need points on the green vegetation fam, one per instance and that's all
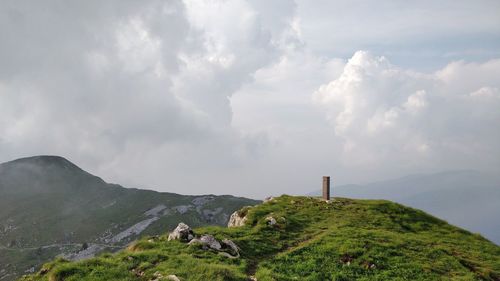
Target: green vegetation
(49, 206)
(312, 240)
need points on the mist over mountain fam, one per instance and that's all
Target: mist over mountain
(49, 206)
(465, 198)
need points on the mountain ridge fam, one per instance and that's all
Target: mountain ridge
(50, 206)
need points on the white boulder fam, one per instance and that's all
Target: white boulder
(271, 221)
(237, 219)
(182, 232)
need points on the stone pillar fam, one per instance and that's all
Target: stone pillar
(326, 188)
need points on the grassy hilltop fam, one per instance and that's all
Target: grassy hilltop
(312, 240)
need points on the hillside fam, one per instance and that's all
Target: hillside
(468, 199)
(49, 207)
(303, 238)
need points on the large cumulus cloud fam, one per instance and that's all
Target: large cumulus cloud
(215, 96)
(132, 90)
(400, 118)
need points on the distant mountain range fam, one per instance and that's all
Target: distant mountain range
(468, 199)
(51, 207)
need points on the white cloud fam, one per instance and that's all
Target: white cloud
(486, 93)
(217, 94)
(392, 115)
(416, 102)
(112, 88)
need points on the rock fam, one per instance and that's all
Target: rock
(173, 277)
(211, 242)
(137, 272)
(270, 220)
(230, 245)
(237, 219)
(268, 199)
(182, 232)
(157, 276)
(226, 248)
(207, 240)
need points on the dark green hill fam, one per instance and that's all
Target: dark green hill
(49, 206)
(311, 240)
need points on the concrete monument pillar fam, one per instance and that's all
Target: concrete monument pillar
(326, 188)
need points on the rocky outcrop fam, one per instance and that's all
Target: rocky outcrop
(238, 218)
(182, 232)
(207, 240)
(225, 247)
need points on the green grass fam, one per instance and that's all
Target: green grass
(313, 240)
(47, 200)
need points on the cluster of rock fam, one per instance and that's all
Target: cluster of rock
(225, 247)
(239, 218)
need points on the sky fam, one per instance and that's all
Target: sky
(251, 98)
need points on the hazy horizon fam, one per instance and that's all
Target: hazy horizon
(252, 98)
(315, 190)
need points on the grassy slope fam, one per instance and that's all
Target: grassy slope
(313, 240)
(52, 202)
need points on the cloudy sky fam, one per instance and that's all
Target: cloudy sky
(251, 98)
